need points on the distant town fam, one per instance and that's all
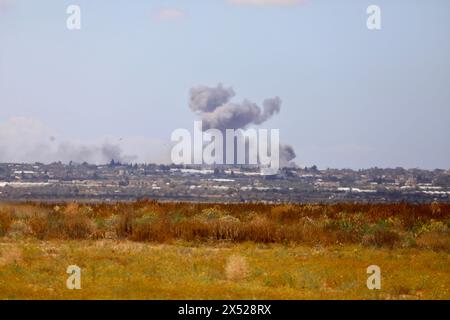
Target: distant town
(126, 182)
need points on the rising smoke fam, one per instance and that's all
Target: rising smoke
(101, 153)
(287, 154)
(216, 111)
(29, 140)
(214, 106)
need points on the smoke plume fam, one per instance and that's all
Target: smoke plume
(101, 153)
(29, 140)
(206, 99)
(287, 154)
(216, 111)
(214, 106)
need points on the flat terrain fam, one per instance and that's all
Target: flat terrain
(151, 250)
(130, 270)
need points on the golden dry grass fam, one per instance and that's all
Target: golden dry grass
(151, 250)
(236, 268)
(130, 270)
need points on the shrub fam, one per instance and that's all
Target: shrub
(434, 240)
(209, 214)
(236, 268)
(381, 237)
(39, 226)
(435, 209)
(77, 226)
(67, 224)
(19, 228)
(369, 224)
(259, 229)
(5, 222)
(124, 227)
(157, 231)
(225, 228)
(284, 213)
(433, 226)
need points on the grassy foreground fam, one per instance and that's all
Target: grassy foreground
(151, 250)
(120, 269)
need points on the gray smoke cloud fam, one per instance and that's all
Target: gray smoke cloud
(214, 106)
(216, 111)
(29, 140)
(206, 99)
(270, 107)
(287, 154)
(102, 153)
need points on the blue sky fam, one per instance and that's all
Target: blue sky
(351, 97)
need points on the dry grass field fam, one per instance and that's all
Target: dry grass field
(151, 250)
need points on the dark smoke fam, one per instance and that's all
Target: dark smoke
(287, 154)
(206, 99)
(104, 153)
(270, 106)
(216, 110)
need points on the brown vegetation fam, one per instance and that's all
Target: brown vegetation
(408, 225)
